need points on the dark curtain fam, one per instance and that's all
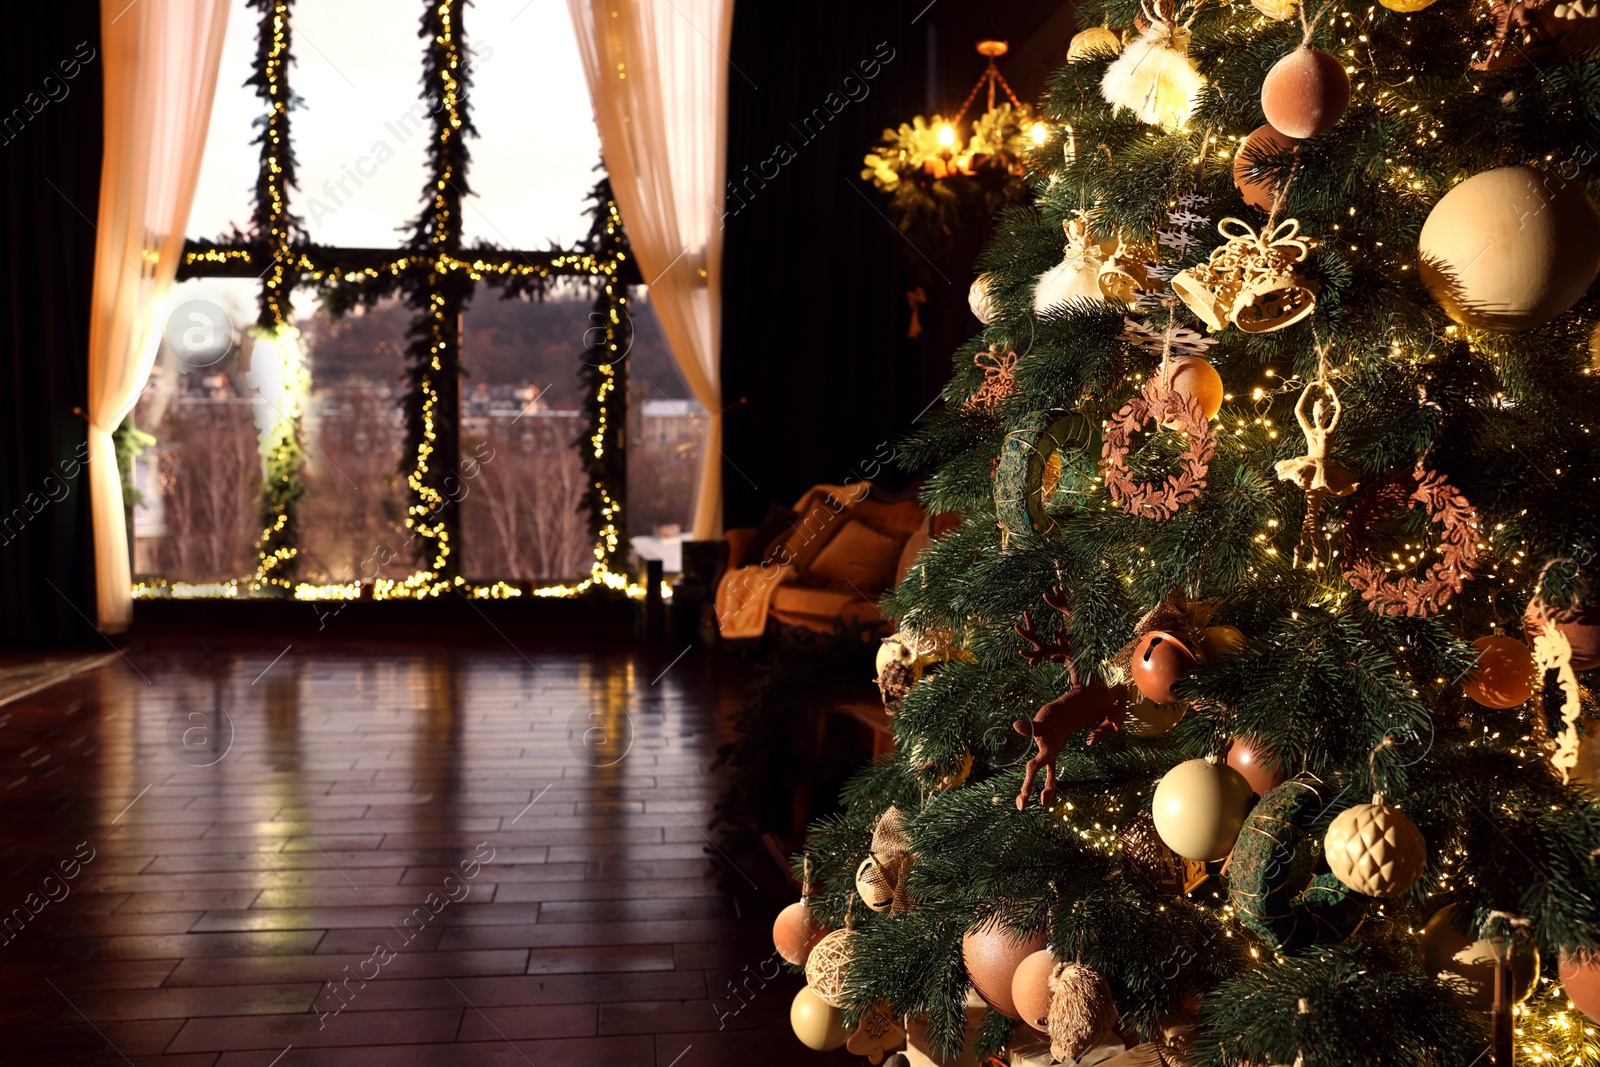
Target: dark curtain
(814, 310)
(815, 314)
(50, 145)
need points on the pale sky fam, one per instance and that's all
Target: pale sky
(358, 65)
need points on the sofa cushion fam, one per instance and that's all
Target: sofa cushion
(857, 558)
(777, 524)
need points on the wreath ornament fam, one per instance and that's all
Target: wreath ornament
(1158, 500)
(1390, 594)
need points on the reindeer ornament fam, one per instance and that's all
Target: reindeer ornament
(1093, 705)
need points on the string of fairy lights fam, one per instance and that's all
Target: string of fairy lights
(438, 276)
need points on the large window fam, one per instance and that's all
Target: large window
(405, 350)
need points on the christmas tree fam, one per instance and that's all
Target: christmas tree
(1242, 718)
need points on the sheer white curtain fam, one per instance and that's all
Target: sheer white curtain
(658, 78)
(161, 60)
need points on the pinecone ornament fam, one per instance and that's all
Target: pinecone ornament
(1375, 849)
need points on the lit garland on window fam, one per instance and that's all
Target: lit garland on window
(437, 276)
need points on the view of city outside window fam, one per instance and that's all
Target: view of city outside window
(359, 140)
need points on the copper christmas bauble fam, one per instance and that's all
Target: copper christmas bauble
(1146, 718)
(1093, 39)
(1200, 807)
(818, 1024)
(1255, 761)
(1195, 377)
(796, 931)
(1160, 661)
(1305, 93)
(1580, 981)
(1466, 967)
(1510, 249)
(1030, 989)
(1263, 141)
(1503, 677)
(1220, 642)
(1583, 633)
(992, 954)
(1375, 849)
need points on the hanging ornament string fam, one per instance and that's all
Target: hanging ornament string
(1309, 25)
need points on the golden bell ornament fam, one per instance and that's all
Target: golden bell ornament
(1250, 280)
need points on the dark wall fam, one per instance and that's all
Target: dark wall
(50, 143)
(814, 298)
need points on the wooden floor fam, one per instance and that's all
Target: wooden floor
(379, 856)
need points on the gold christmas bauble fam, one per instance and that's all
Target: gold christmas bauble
(827, 964)
(1503, 675)
(1406, 6)
(1375, 849)
(1276, 9)
(1510, 249)
(1466, 967)
(818, 1024)
(1094, 39)
(1200, 807)
(1220, 642)
(1196, 377)
(1146, 718)
(980, 298)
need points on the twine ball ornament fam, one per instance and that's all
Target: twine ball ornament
(1253, 759)
(1030, 989)
(980, 298)
(992, 955)
(1545, 235)
(1095, 39)
(1503, 676)
(1305, 93)
(796, 931)
(818, 1024)
(1375, 849)
(1466, 966)
(1161, 661)
(1199, 808)
(1580, 981)
(827, 966)
(1263, 141)
(1082, 1013)
(1581, 628)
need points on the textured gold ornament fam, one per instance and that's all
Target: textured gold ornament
(1250, 280)
(1375, 849)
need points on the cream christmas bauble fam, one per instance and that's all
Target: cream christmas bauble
(1510, 249)
(1200, 807)
(818, 1024)
(1375, 849)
